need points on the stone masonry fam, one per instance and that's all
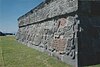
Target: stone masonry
(65, 29)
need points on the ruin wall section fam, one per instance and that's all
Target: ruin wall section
(52, 27)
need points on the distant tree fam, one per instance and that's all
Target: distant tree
(2, 34)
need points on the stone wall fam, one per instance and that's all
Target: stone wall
(56, 36)
(51, 27)
(66, 29)
(48, 10)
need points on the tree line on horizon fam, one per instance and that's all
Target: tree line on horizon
(4, 34)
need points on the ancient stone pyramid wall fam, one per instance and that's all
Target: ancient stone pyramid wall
(66, 29)
(51, 27)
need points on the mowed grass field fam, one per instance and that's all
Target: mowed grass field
(14, 54)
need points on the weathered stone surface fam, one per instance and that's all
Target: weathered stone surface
(54, 8)
(54, 36)
(64, 29)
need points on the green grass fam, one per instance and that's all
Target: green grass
(94, 66)
(14, 54)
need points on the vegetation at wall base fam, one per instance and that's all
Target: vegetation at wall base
(14, 54)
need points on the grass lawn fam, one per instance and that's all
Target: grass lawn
(14, 54)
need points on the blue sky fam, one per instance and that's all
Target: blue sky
(11, 10)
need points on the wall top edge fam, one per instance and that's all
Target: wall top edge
(36, 8)
(49, 9)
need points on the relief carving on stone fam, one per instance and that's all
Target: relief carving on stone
(71, 29)
(58, 39)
